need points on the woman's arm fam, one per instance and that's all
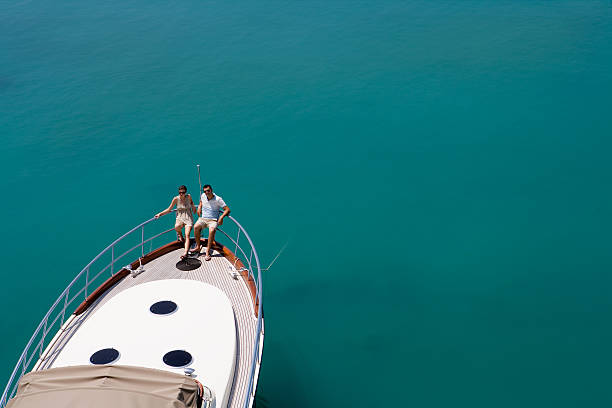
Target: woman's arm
(167, 210)
(193, 207)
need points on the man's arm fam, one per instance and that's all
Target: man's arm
(200, 209)
(226, 211)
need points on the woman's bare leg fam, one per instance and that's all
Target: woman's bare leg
(179, 233)
(187, 234)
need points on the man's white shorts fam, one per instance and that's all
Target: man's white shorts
(211, 223)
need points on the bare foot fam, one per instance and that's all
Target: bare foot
(207, 257)
(183, 257)
(180, 238)
(196, 250)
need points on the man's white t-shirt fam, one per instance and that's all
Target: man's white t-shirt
(212, 208)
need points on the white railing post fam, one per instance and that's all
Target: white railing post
(86, 281)
(112, 260)
(66, 304)
(42, 339)
(237, 240)
(142, 242)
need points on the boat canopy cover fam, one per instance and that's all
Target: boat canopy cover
(105, 386)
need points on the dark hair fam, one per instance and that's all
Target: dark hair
(183, 187)
(207, 185)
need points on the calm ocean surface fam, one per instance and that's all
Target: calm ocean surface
(440, 170)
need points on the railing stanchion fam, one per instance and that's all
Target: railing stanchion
(142, 242)
(42, 339)
(66, 304)
(237, 240)
(112, 260)
(86, 281)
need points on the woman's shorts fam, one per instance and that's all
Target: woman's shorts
(183, 221)
(211, 223)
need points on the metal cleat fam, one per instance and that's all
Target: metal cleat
(138, 270)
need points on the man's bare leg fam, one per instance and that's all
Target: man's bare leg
(211, 238)
(198, 233)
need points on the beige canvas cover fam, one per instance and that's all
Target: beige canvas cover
(104, 387)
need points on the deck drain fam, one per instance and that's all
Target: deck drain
(104, 356)
(188, 264)
(163, 307)
(177, 358)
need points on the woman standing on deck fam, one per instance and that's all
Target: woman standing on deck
(184, 216)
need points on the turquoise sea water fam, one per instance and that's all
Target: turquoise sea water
(440, 169)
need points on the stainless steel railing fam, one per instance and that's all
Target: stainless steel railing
(56, 315)
(256, 359)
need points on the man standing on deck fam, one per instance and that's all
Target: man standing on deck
(208, 211)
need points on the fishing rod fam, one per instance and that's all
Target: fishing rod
(276, 257)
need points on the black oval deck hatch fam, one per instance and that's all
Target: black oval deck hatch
(104, 356)
(177, 358)
(163, 307)
(188, 264)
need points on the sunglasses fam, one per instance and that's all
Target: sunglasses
(207, 191)
(182, 192)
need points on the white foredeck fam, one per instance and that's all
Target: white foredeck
(217, 273)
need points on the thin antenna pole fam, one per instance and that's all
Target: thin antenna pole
(200, 180)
